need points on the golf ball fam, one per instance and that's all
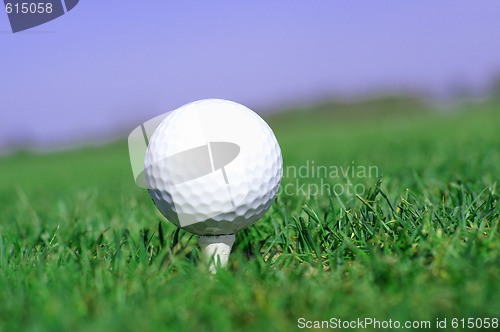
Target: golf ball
(213, 167)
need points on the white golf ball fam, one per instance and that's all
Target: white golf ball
(213, 167)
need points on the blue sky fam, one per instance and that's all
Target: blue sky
(108, 65)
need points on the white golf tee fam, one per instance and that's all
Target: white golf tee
(216, 250)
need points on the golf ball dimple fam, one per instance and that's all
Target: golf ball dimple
(213, 167)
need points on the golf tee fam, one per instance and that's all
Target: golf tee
(216, 250)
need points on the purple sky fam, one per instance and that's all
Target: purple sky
(110, 65)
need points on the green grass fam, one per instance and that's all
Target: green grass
(82, 248)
